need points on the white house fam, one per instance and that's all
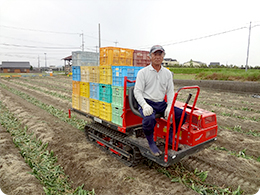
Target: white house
(193, 63)
(169, 62)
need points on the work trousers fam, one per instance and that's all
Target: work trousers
(149, 122)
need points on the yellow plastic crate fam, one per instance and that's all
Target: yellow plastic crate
(94, 107)
(115, 56)
(84, 104)
(93, 74)
(75, 101)
(84, 89)
(105, 75)
(105, 111)
(84, 73)
(76, 87)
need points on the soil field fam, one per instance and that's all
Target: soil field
(232, 162)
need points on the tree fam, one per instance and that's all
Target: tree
(191, 63)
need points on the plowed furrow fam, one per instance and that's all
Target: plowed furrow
(223, 173)
(89, 165)
(47, 99)
(53, 85)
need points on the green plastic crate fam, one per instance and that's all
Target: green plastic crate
(105, 93)
(118, 96)
(116, 115)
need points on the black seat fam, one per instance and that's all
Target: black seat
(134, 104)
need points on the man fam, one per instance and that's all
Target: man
(152, 84)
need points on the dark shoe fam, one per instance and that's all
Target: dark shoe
(153, 148)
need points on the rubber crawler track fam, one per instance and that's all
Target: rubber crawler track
(135, 153)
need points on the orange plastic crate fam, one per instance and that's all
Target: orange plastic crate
(84, 89)
(105, 111)
(76, 87)
(75, 101)
(115, 56)
(105, 75)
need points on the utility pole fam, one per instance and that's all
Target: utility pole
(99, 37)
(116, 42)
(39, 62)
(247, 55)
(82, 41)
(45, 61)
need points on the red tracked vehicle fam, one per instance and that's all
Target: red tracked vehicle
(128, 143)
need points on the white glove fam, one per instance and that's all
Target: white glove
(167, 111)
(147, 110)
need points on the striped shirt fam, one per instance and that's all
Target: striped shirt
(154, 85)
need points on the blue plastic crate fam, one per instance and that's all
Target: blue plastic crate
(75, 70)
(76, 77)
(76, 73)
(94, 91)
(119, 72)
(105, 93)
(119, 81)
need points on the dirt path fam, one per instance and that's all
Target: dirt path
(85, 164)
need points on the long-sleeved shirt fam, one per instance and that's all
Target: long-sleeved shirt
(153, 85)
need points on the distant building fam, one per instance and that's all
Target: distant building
(169, 62)
(16, 67)
(67, 64)
(193, 63)
(214, 64)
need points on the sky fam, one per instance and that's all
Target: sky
(45, 31)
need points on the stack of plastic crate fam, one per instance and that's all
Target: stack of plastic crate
(118, 74)
(105, 92)
(75, 86)
(110, 56)
(99, 89)
(93, 72)
(81, 63)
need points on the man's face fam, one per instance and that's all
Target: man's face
(157, 57)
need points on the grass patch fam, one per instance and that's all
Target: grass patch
(184, 76)
(228, 74)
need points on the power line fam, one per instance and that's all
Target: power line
(203, 37)
(198, 38)
(30, 57)
(54, 32)
(34, 47)
(43, 31)
(8, 37)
